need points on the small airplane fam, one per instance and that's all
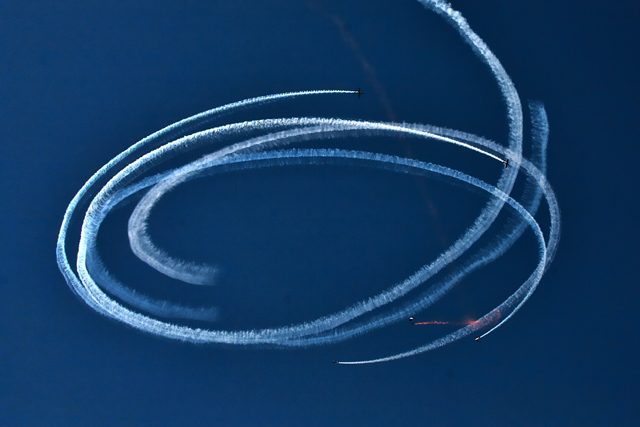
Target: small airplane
(411, 319)
(506, 163)
(335, 361)
(359, 92)
(477, 338)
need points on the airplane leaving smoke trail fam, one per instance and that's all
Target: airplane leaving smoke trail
(92, 282)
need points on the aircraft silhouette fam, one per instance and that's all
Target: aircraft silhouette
(359, 92)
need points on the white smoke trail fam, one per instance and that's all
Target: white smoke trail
(91, 279)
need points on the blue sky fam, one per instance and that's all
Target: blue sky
(81, 82)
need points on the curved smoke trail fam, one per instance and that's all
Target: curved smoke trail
(93, 283)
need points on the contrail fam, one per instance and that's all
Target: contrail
(125, 175)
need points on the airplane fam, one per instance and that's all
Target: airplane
(359, 92)
(477, 338)
(335, 361)
(411, 319)
(506, 163)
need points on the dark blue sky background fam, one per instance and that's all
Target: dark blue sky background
(81, 81)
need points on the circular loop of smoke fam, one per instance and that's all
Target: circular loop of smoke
(91, 281)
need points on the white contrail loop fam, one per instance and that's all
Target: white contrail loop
(124, 176)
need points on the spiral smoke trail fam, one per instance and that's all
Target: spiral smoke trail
(125, 175)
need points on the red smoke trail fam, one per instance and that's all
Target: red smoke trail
(491, 318)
